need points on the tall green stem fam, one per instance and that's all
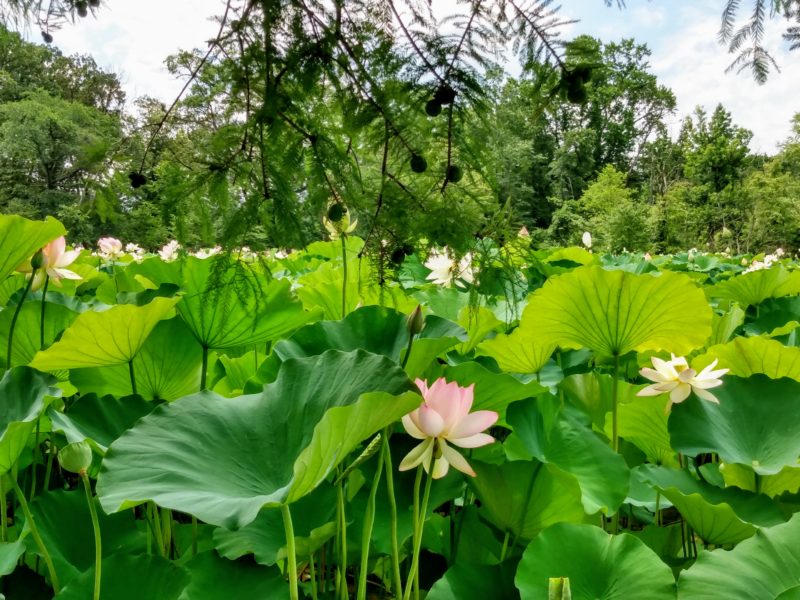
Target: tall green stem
(14, 320)
(132, 376)
(204, 369)
(98, 548)
(36, 537)
(312, 574)
(615, 429)
(413, 581)
(387, 458)
(342, 518)
(44, 309)
(344, 279)
(3, 513)
(290, 551)
(418, 526)
(366, 534)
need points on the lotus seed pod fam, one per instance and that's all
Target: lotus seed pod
(76, 457)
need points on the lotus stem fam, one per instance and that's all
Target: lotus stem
(504, 549)
(36, 537)
(204, 369)
(341, 579)
(366, 534)
(413, 581)
(291, 557)
(615, 429)
(98, 548)
(312, 574)
(387, 458)
(44, 309)
(418, 526)
(33, 462)
(194, 535)
(344, 278)
(14, 320)
(3, 513)
(132, 376)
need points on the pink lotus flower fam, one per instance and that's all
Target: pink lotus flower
(55, 258)
(444, 417)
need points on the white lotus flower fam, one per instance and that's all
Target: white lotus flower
(109, 248)
(676, 377)
(170, 251)
(444, 269)
(587, 240)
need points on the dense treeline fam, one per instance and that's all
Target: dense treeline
(248, 160)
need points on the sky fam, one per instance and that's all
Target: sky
(133, 37)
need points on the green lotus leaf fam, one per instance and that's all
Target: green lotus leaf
(522, 351)
(746, 356)
(493, 391)
(475, 581)
(214, 578)
(755, 424)
(23, 398)
(9, 555)
(129, 577)
(741, 476)
(478, 322)
(613, 312)
(524, 497)
(265, 539)
(21, 238)
(227, 303)
(65, 526)
(233, 374)
(724, 326)
(761, 568)
(27, 331)
(223, 459)
(98, 339)
(718, 515)
(776, 316)
(753, 288)
(564, 441)
(592, 393)
(167, 367)
(643, 422)
(599, 566)
(100, 420)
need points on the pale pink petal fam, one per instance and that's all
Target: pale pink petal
(680, 393)
(38, 281)
(55, 249)
(712, 374)
(650, 390)
(445, 399)
(652, 375)
(67, 258)
(430, 421)
(63, 274)
(411, 427)
(664, 368)
(703, 394)
(423, 386)
(473, 441)
(455, 459)
(474, 423)
(686, 375)
(467, 397)
(667, 386)
(420, 454)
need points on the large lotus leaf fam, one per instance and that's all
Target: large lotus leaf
(371, 328)
(65, 526)
(9, 555)
(599, 566)
(98, 339)
(745, 356)
(445, 302)
(755, 424)
(227, 303)
(776, 316)
(755, 287)
(21, 238)
(128, 577)
(223, 459)
(476, 581)
(761, 568)
(719, 516)
(265, 538)
(741, 476)
(322, 287)
(27, 331)
(571, 446)
(592, 393)
(643, 422)
(493, 391)
(215, 578)
(23, 398)
(101, 420)
(478, 322)
(233, 374)
(522, 351)
(725, 326)
(436, 337)
(613, 312)
(524, 497)
(166, 368)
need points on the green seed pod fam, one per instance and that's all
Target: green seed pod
(82, 8)
(418, 164)
(37, 260)
(454, 174)
(76, 457)
(433, 108)
(444, 94)
(336, 212)
(47, 37)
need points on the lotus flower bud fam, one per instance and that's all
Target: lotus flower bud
(76, 457)
(38, 260)
(415, 321)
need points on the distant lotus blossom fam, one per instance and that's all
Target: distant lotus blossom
(769, 260)
(109, 248)
(170, 251)
(586, 239)
(647, 257)
(523, 233)
(55, 257)
(444, 269)
(207, 252)
(280, 254)
(676, 377)
(136, 251)
(444, 417)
